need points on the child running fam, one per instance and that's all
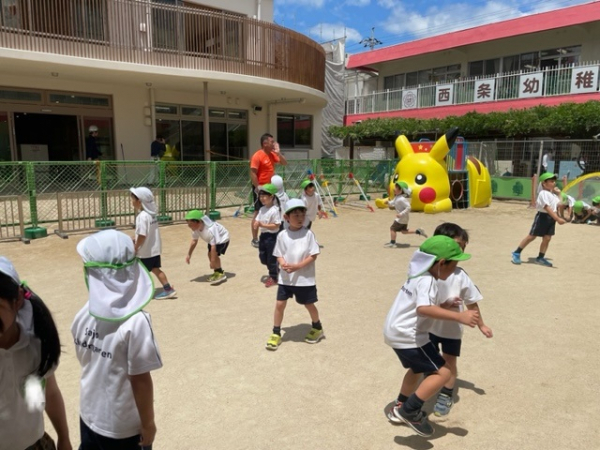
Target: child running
(29, 355)
(313, 202)
(407, 326)
(217, 238)
(147, 240)
(452, 292)
(401, 203)
(544, 222)
(296, 251)
(268, 221)
(115, 346)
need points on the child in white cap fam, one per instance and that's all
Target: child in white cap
(29, 355)
(115, 346)
(296, 251)
(148, 245)
(217, 238)
(277, 181)
(407, 327)
(401, 204)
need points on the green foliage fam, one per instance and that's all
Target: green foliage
(576, 120)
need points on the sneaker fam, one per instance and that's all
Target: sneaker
(270, 282)
(217, 277)
(516, 258)
(543, 262)
(391, 416)
(314, 336)
(273, 342)
(165, 294)
(390, 245)
(421, 232)
(417, 421)
(442, 405)
(254, 243)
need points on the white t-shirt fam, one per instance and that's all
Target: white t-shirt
(403, 327)
(18, 427)
(214, 235)
(312, 203)
(402, 206)
(109, 352)
(269, 215)
(147, 225)
(458, 284)
(570, 201)
(294, 247)
(546, 198)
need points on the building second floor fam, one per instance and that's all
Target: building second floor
(547, 58)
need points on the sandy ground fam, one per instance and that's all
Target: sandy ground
(534, 385)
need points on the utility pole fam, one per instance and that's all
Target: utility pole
(371, 41)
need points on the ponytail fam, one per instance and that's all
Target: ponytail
(45, 330)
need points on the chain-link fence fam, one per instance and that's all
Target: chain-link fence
(89, 195)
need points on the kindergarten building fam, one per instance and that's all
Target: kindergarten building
(542, 59)
(211, 76)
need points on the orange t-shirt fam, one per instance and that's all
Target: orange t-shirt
(264, 165)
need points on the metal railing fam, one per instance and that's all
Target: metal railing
(159, 34)
(505, 86)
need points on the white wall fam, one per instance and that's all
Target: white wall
(249, 8)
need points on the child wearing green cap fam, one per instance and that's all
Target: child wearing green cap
(582, 211)
(544, 222)
(565, 207)
(401, 203)
(313, 202)
(217, 238)
(407, 327)
(268, 221)
(595, 210)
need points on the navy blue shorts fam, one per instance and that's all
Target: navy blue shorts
(305, 295)
(543, 225)
(91, 440)
(448, 346)
(424, 359)
(151, 263)
(221, 248)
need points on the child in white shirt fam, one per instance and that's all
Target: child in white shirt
(401, 203)
(217, 238)
(544, 222)
(268, 221)
(313, 202)
(296, 251)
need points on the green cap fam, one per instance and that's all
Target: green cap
(194, 214)
(269, 188)
(548, 176)
(578, 207)
(564, 197)
(402, 185)
(306, 183)
(443, 247)
(596, 199)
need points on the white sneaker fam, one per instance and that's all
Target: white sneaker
(390, 245)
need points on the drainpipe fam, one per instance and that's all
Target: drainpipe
(258, 9)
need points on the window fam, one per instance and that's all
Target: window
(20, 96)
(74, 99)
(393, 82)
(485, 67)
(294, 130)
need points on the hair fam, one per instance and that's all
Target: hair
(194, 220)
(264, 137)
(44, 326)
(159, 136)
(452, 230)
(134, 196)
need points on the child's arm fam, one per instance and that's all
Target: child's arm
(191, 250)
(139, 242)
(55, 408)
(487, 331)
(289, 268)
(143, 393)
(552, 214)
(269, 226)
(470, 318)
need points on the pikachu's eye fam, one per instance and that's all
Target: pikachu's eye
(420, 179)
(396, 176)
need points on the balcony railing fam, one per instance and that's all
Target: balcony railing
(579, 79)
(155, 33)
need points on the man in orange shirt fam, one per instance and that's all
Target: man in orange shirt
(262, 168)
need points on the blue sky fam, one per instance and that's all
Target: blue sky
(398, 21)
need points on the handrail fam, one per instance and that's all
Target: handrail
(155, 34)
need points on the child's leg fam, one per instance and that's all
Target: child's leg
(451, 363)
(525, 242)
(278, 315)
(314, 313)
(433, 383)
(544, 245)
(161, 276)
(409, 384)
(393, 235)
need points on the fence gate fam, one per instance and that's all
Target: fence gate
(12, 224)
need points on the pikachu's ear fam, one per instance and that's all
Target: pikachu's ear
(442, 146)
(403, 147)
